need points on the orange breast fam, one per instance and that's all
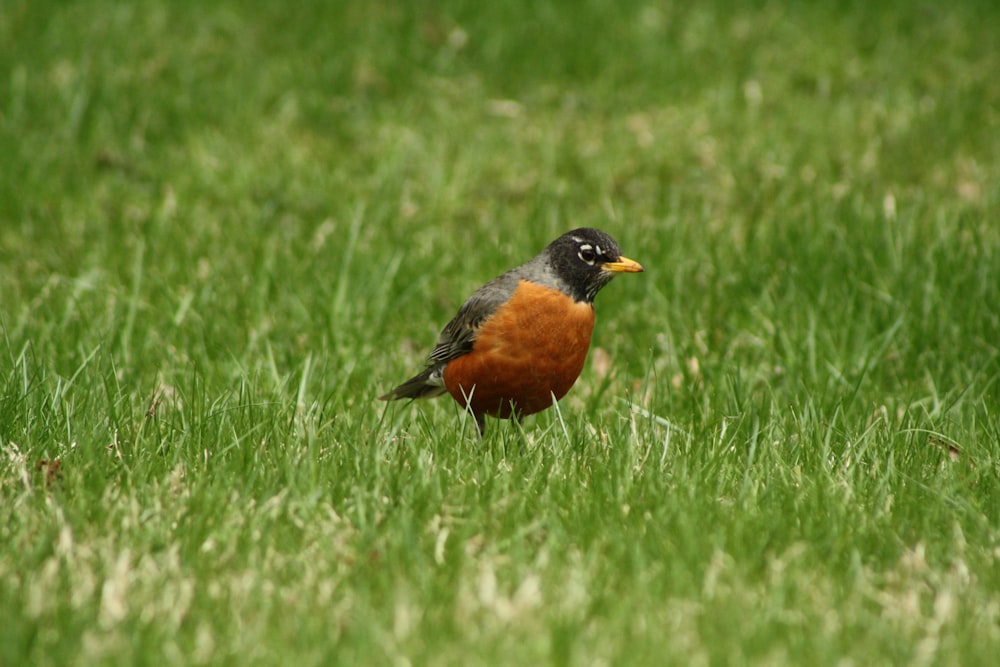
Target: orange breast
(530, 350)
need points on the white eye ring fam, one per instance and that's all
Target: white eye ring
(587, 253)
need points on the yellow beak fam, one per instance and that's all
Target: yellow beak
(623, 265)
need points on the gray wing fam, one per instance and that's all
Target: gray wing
(459, 335)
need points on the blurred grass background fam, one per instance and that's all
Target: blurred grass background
(226, 227)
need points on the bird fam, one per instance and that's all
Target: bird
(519, 342)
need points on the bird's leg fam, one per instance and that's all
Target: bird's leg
(480, 424)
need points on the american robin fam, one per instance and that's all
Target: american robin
(520, 341)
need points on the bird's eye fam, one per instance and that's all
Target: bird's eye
(587, 254)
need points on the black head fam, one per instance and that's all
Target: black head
(585, 260)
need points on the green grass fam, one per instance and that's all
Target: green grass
(226, 227)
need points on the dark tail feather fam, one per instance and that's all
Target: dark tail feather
(420, 386)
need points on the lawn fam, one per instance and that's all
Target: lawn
(226, 228)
